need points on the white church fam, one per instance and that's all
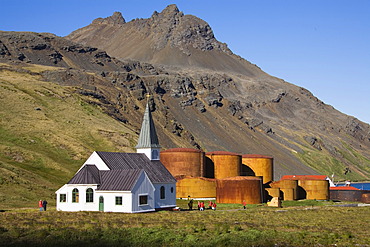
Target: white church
(122, 182)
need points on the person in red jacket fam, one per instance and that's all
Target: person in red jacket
(202, 206)
(40, 205)
(214, 206)
(244, 204)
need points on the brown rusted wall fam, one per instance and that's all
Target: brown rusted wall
(258, 166)
(366, 197)
(225, 165)
(196, 188)
(289, 189)
(315, 189)
(186, 163)
(350, 195)
(235, 190)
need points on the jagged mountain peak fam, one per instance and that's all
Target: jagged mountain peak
(115, 19)
(171, 10)
(168, 38)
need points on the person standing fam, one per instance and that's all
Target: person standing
(40, 205)
(44, 203)
(244, 204)
(190, 204)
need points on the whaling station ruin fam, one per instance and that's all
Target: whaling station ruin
(151, 180)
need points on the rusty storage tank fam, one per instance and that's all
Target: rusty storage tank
(366, 197)
(258, 165)
(289, 189)
(226, 164)
(184, 161)
(195, 187)
(344, 193)
(315, 189)
(238, 189)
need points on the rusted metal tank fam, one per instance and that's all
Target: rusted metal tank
(289, 189)
(258, 165)
(346, 194)
(366, 197)
(239, 189)
(226, 164)
(315, 189)
(195, 187)
(184, 161)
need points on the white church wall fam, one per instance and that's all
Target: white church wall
(81, 205)
(95, 159)
(151, 153)
(110, 201)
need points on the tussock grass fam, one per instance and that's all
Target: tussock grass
(256, 226)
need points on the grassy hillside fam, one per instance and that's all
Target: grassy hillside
(46, 133)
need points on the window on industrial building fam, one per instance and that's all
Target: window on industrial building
(143, 200)
(89, 195)
(63, 198)
(118, 200)
(75, 195)
(163, 192)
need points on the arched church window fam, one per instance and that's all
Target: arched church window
(75, 195)
(163, 192)
(89, 195)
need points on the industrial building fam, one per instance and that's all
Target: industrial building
(234, 178)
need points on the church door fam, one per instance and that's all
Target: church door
(101, 203)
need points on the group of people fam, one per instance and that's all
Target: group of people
(201, 205)
(42, 205)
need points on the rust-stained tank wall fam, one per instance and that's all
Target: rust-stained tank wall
(258, 165)
(226, 164)
(289, 189)
(350, 195)
(195, 187)
(315, 189)
(183, 161)
(366, 197)
(238, 189)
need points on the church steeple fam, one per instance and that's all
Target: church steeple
(148, 140)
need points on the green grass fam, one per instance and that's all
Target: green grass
(328, 165)
(321, 225)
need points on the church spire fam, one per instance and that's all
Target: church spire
(148, 140)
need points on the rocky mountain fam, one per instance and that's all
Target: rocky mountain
(284, 113)
(202, 96)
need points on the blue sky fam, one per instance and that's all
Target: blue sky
(321, 45)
